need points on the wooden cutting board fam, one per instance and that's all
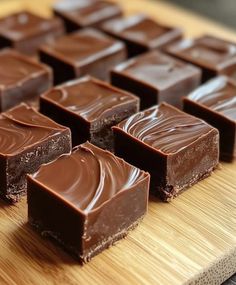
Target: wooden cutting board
(192, 240)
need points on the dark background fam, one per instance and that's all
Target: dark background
(223, 11)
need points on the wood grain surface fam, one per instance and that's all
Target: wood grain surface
(192, 240)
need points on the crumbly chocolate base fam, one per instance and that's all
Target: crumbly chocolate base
(29, 162)
(103, 137)
(86, 256)
(169, 192)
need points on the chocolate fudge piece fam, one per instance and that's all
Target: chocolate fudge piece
(89, 107)
(25, 31)
(155, 77)
(213, 55)
(87, 51)
(21, 79)
(94, 213)
(176, 148)
(141, 34)
(215, 102)
(85, 13)
(27, 139)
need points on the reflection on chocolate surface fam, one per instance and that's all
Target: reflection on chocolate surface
(141, 33)
(96, 212)
(212, 54)
(215, 102)
(164, 128)
(21, 79)
(111, 175)
(26, 31)
(177, 149)
(89, 107)
(169, 78)
(85, 13)
(22, 127)
(27, 139)
(85, 52)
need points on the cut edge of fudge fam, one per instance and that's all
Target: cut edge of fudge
(216, 118)
(15, 165)
(166, 188)
(99, 131)
(84, 255)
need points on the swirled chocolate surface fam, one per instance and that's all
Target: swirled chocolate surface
(219, 95)
(157, 69)
(16, 68)
(22, 126)
(88, 97)
(24, 24)
(208, 51)
(83, 47)
(165, 128)
(94, 176)
(87, 12)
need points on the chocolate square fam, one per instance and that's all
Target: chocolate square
(89, 107)
(27, 139)
(213, 55)
(141, 34)
(21, 79)
(85, 13)
(25, 31)
(215, 102)
(177, 149)
(155, 77)
(94, 213)
(85, 52)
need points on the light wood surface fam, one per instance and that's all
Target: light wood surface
(192, 240)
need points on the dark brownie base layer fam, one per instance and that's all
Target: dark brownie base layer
(95, 250)
(170, 192)
(29, 162)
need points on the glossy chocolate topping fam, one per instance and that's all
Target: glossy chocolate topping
(83, 47)
(94, 177)
(218, 94)
(22, 126)
(157, 69)
(16, 68)
(138, 28)
(207, 50)
(25, 24)
(89, 97)
(87, 12)
(165, 128)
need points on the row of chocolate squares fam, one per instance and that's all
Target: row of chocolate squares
(96, 52)
(90, 107)
(89, 198)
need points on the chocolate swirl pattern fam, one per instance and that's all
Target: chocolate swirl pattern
(84, 46)
(88, 97)
(92, 170)
(15, 68)
(22, 126)
(219, 95)
(165, 128)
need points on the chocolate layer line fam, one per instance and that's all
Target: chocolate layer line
(218, 94)
(110, 176)
(165, 128)
(22, 126)
(88, 97)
